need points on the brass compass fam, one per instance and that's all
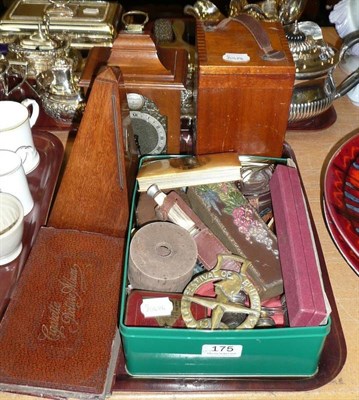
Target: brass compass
(227, 285)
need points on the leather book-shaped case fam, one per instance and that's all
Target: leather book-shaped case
(59, 335)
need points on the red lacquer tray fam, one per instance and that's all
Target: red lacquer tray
(319, 122)
(42, 182)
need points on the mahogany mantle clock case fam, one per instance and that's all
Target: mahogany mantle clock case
(154, 79)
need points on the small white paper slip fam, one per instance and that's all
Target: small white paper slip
(156, 307)
(222, 350)
(236, 57)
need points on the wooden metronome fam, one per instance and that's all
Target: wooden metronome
(95, 190)
(154, 79)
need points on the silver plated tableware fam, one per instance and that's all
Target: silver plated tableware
(59, 92)
(315, 89)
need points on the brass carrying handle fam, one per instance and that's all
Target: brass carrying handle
(128, 21)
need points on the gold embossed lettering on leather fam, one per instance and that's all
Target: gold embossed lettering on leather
(58, 334)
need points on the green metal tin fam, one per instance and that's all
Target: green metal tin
(271, 352)
(158, 351)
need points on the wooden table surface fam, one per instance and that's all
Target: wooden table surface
(312, 149)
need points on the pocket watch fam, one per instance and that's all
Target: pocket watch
(148, 124)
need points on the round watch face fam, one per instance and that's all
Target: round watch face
(151, 134)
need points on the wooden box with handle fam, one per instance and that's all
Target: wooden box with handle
(245, 81)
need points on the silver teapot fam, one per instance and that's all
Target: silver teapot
(59, 92)
(315, 89)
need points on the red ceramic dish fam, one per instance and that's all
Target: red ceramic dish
(341, 244)
(341, 193)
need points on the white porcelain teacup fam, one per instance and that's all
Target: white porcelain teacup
(15, 130)
(13, 179)
(11, 227)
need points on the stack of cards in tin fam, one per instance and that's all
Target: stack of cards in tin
(170, 173)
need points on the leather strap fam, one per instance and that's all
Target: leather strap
(259, 34)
